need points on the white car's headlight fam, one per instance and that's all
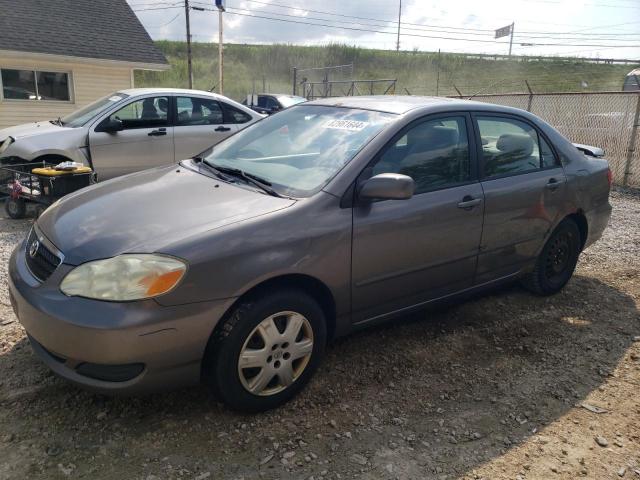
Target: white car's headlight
(125, 277)
(4, 145)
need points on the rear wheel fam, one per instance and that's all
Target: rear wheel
(15, 207)
(266, 350)
(557, 261)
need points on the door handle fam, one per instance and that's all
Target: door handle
(468, 202)
(553, 184)
(222, 129)
(157, 133)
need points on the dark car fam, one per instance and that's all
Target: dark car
(237, 268)
(269, 103)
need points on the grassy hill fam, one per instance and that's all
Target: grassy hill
(417, 72)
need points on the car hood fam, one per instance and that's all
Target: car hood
(31, 129)
(145, 211)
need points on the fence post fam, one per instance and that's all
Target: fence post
(295, 80)
(530, 96)
(632, 143)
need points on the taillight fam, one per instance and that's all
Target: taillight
(610, 177)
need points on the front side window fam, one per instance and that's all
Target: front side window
(300, 149)
(509, 146)
(149, 112)
(198, 111)
(434, 153)
(35, 85)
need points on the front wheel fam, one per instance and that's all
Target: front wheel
(266, 350)
(557, 261)
(15, 207)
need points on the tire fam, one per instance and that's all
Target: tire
(282, 357)
(557, 260)
(16, 208)
(38, 211)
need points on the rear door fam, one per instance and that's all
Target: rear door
(524, 188)
(409, 251)
(146, 140)
(199, 124)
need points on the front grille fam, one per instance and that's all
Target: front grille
(41, 261)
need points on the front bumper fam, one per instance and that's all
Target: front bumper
(69, 333)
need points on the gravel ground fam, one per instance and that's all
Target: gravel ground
(505, 386)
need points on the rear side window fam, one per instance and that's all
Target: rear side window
(434, 153)
(509, 146)
(198, 111)
(233, 115)
(549, 159)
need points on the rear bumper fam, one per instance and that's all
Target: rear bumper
(77, 337)
(597, 221)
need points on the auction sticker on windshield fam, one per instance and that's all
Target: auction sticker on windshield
(115, 98)
(352, 125)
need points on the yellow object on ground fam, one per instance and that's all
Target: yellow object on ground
(52, 172)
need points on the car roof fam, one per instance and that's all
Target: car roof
(184, 91)
(399, 104)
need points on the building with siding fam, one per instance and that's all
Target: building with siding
(57, 56)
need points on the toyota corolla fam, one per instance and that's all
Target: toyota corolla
(237, 267)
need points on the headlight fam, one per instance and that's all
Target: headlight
(4, 145)
(125, 277)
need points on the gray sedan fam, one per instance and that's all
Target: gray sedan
(238, 267)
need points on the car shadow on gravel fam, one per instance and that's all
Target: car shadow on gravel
(438, 392)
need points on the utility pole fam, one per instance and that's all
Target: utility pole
(186, 14)
(511, 39)
(220, 5)
(399, 16)
(438, 75)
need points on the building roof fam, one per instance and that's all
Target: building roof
(102, 29)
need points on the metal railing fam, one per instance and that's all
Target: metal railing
(346, 88)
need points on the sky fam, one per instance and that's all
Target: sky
(587, 28)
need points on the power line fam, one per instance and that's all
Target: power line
(404, 28)
(164, 24)
(229, 10)
(388, 22)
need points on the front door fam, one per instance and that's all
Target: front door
(146, 139)
(199, 125)
(524, 188)
(406, 252)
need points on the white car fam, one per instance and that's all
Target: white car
(130, 130)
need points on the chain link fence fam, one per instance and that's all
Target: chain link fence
(608, 120)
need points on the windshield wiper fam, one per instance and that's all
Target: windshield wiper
(58, 122)
(248, 177)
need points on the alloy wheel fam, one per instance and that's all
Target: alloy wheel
(275, 353)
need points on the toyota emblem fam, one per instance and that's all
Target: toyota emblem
(33, 249)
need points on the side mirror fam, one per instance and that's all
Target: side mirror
(110, 125)
(388, 186)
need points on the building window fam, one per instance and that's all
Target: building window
(35, 85)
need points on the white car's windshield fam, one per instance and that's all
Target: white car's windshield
(80, 117)
(299, 150)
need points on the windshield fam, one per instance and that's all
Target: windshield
(79, 118)
(299, 150)
(288, 101)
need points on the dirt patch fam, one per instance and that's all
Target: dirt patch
(507, 385)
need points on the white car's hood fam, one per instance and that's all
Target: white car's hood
(30, 129)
